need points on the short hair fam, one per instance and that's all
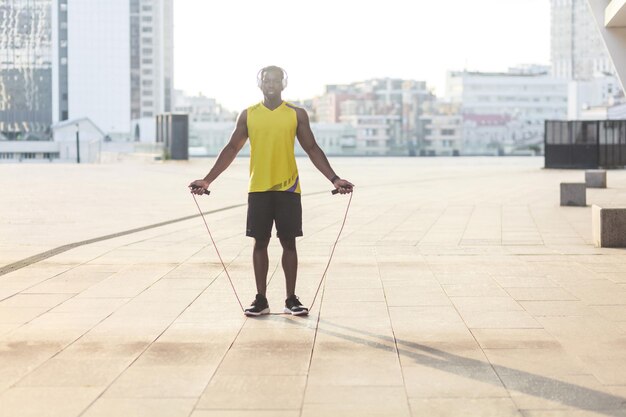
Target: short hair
(271, 68)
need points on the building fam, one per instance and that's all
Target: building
(576, 47)
(579, 54)
(208, 138)
(111, 62)
(526, 97)
(120, 64)
(335, 139)
(385, 113)
(375, 134)
(201, 108)
(610, 19)
(26, 63)
(70, 139)
(443, 135)
(598, 92)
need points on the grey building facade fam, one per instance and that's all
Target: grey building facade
(26, 62)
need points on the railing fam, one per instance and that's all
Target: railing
(585, 144)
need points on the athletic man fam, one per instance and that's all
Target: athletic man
(274, 189)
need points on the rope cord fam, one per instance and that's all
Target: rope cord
(218, 252)
(322, 280)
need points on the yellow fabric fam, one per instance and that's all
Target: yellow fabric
(272, 136)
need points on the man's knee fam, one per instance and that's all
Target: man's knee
(261, 244)
(288, 243)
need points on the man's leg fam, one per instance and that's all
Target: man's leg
(290, 264)
(260, 260)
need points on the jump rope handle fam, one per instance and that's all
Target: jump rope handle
(207, 192)
(335, 191)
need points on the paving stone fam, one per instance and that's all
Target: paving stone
(141, 407)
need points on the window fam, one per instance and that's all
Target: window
(146, 71)
(146, 29)
(146, 61)
(146, 19)
(447, 132)
(147, 114)
(147, 92)
(146, 51)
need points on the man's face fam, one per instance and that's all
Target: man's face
(272, 83)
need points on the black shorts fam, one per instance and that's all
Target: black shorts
(282, 207)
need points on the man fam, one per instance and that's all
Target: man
(274, 189)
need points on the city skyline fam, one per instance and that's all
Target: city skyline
(351, 42)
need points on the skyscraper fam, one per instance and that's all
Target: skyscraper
(25, 68)
(120, 62)
(110, 61)
(577, 50)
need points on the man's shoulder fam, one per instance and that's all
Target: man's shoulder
(253, 108)
(300, 111)
(293, 106)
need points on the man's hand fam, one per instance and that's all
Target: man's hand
(199, 187)
(343, 186)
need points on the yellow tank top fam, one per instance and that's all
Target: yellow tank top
(272, 136)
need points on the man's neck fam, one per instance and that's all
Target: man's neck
(272, 102)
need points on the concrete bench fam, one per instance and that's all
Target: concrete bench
(595, 178)
(608, 227)
(573, 194)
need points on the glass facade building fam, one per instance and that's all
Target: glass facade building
(25, 69)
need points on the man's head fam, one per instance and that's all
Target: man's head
(272, 80)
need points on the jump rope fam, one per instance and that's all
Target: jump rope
(322, 280)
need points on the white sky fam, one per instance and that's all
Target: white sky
(219, 45)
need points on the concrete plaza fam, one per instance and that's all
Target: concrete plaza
(459, 287)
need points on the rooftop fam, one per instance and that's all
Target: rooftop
(459, 287)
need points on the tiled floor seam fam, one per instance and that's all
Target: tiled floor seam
(530, 212)
(101, 255)
(393, 334)
(467, 223)
(164, 330)
(478, 344)
(95, 325)
(47, 311)
(194, 408)
(308, 370)
(429, 228)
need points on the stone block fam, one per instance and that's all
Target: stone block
(573, 194)
(595, 178)
(608, 227)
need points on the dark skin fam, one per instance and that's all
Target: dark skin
(272, 88)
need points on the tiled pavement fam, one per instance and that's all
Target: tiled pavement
(459, 288)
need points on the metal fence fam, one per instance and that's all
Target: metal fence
(585, 144)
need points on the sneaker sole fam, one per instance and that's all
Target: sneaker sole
(296, 313)
(260, 313)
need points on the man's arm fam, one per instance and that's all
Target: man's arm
(317, 156)
(227, 154)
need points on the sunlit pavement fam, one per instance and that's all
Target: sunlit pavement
(459, 287)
